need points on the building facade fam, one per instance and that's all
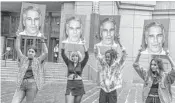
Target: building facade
(133, 14)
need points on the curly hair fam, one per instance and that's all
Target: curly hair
(113, 53)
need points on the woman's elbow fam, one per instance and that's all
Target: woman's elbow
(134, 65)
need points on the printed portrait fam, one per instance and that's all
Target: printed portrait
(108, 32)
(74, 29)
(155, 36)
(31, 19)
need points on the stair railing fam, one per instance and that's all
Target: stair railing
(6, 54)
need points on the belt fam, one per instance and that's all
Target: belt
(29, 79)
(151, 95)
(73, 77)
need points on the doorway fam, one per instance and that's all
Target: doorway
(51, 56)
(28, 41)
(10, 48)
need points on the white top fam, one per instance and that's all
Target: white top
(101, 44)
(162, 52)
(24, 33)
(56, 49)
(79, 42)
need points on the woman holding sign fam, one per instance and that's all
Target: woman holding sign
(157, 83)
(75, 87)
(31, 73)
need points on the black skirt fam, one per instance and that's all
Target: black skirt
(75, 87)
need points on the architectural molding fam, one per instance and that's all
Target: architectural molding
(135, 6)
(163, 12)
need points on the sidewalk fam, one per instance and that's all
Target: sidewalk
(54, 93)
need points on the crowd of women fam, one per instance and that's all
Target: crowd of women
(157, 82)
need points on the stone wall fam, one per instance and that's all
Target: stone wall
(133, 14)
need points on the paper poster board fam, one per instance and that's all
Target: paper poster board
(38, 19)
(74, 29)
(155, 36)
(108, 32)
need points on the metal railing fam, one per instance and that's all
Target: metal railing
(6, 54)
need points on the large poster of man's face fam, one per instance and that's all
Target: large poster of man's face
(155, 36)
(32, 19)
(74, 29)
(108, 32)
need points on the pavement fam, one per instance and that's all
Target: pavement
(53, 92)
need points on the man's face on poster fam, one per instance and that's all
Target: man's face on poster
(32, 22)
(107, 33)
(154, 39)
(74, 31)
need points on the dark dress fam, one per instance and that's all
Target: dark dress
(76, 87)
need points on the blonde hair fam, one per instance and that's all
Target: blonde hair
(77, 53)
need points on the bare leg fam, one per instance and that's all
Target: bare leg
(78, 99)
(18, 96)
(70, 98)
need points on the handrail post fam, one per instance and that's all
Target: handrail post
(88, 71)
(6, 55)
(5, 60)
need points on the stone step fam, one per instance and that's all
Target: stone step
(53, 71)
(46, 70)
(16, 63)
(45, 66)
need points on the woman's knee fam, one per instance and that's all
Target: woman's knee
(70, 99)
(77, 99)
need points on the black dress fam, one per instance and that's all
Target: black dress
(75, 87)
